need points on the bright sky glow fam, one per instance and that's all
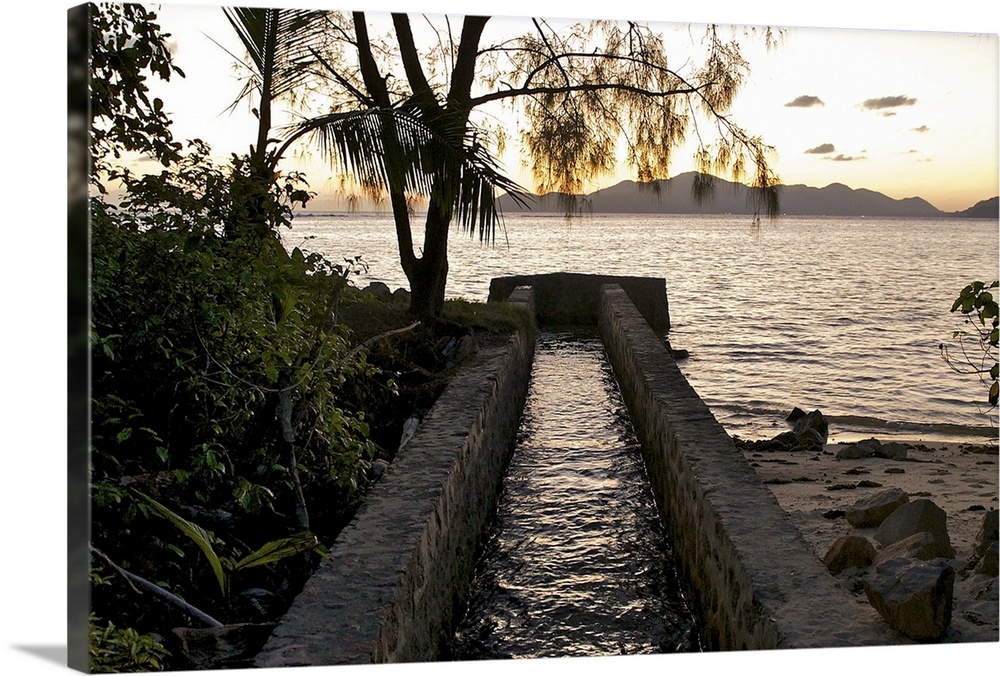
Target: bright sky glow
(929, 129)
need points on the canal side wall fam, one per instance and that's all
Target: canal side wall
(760, 585)
(399, 573)
(573, 299)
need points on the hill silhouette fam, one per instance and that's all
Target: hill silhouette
(675, 196)
(985, 209)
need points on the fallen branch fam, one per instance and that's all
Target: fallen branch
(374, 339)
(159, 591)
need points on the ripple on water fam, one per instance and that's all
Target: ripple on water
(577, 561)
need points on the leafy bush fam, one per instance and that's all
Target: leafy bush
(979, 306)
(116, 650)
(223, 385)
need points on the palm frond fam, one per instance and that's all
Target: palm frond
(298, 33)
(396, 148)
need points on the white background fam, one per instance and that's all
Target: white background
(33, 390)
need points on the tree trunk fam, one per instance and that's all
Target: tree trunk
(428, 274)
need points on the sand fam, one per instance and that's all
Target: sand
(960, 478)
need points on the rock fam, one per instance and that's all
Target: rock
(813, 427)
(209, 648)
(409, 429)
(259, 602)
(676, 353)
(914, 517)
(872, 447)
(920, 546)
(914, 597)
(988, 563)
(377, 469)
(892, 451)
(862, 449)
(988, 531)
(401, 296)
(796, 415)
(850, 551)
(380, 290)
(872, 510)
(853, 452)
(809, 434)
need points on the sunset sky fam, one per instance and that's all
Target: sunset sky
(952, 82)
(905, 113)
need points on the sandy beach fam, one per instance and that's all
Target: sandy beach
(814, 488)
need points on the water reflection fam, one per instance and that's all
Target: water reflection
(577, 562)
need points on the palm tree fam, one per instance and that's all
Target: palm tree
(280, 44)
(394, 148)
(401, 122)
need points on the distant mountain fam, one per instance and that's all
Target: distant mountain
(986, 209)
(675, 196)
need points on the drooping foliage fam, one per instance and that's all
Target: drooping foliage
(581, 92)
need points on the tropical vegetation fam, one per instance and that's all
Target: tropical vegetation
(241, 391)
(405, 117)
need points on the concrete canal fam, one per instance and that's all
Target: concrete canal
(576, 561)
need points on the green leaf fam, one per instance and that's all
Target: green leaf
(279, 549)
(199, 535)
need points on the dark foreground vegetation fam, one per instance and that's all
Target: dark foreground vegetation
(241, 397)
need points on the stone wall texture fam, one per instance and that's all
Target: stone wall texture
(760, 585)
(399, 572)
(573, 299)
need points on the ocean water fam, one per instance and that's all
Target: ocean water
(844, 315)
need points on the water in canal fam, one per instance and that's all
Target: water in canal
(577, 561)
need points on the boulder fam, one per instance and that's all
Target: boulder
(988, 563)
(401, 296)
(873, 448)
(892, 450)
(914, 597)
(796, 415)
(872, 510)
(812, 427)
(850, 551)
(809, 434)
(853, 452)
(380, 290)
(920, 546)
(987, 532)
(862, 449)
(914, 517)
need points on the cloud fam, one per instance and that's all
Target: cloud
(922, 128)
(845, 158)
(888, 102)
(805, 102)
(822, 149)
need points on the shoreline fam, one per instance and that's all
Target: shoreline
(961, 477)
